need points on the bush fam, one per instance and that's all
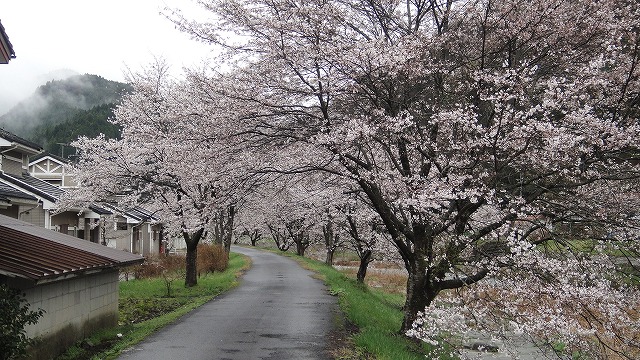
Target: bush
(153, 267)
(211, 258)
(14, 315)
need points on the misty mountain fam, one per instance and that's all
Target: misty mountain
(91, 123)
(15, 89)
(61, 110)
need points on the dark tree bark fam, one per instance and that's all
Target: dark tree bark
(302, 243)
(228, 228)
(223, 229)
(362, 247)
(414, 242)
(329, 256)
(365, 259)
(298, 235)
(279, 237)
(420, 291)
(192, 240)
(254, 237)
(331, 241)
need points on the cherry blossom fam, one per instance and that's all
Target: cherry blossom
(496, 143)
(174, 157)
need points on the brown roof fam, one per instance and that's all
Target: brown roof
(6, 49)
(35, 253)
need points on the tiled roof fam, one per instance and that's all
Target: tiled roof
(140, 214)
(17, 139)
(35, 253)
(136, 213)
(34, 185)
(43, 189)
(7, 192)
(99, 210)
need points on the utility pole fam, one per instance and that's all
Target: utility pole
(62, 145)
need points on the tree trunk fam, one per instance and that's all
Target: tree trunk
(254, 237)
(279, 237)
(228, 228)
(329, 259)
(218, 239)
(301, 245)
(365, 259)
(413, 246)
(330, 241)
(420, 293)
(191, 274)
(298, 235)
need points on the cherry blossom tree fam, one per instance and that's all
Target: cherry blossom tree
(365, 233)
(174, 157)
(250, 221)
(223, 227)
(332, 236)
(487, 136)
(290, 215)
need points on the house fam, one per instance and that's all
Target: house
(27, 198)
(31, 184)
(135, 230)
(6, 49)
(14, 159)
(13, 200)
(82, 223)
(74, 281)
(52, 169)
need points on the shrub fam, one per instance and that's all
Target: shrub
(14, 315)
(212, 257)
(172, 262)
(153, 267)
(148, 269)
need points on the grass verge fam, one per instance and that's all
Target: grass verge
(376, 315)
(148, 309)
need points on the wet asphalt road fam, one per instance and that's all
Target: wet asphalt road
(277, 312)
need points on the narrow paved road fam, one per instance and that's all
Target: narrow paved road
(277, 312)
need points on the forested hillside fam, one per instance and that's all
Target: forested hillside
(62, 110)
(90, 123)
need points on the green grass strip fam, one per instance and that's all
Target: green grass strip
(378, 315)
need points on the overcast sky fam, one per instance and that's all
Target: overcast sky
(94, 37)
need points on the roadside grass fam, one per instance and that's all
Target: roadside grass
(376, 314)
(145, 308)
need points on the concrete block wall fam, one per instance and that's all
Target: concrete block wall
(33, 215)
(74, 308)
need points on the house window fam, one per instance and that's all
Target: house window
(121, 226)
